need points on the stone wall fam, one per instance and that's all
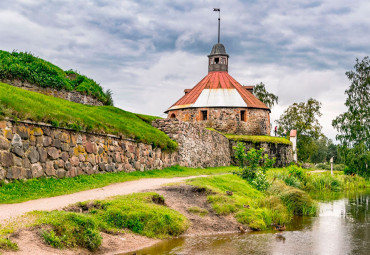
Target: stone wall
(228, 120)
(198, 147)
(73, 96)
(282, 152)
(31, 150)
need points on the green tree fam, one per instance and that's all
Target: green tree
(354, 124)
(320, 150)
(263, 95)
(302, 117)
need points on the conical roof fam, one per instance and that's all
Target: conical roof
(218, 49)
(218, 89)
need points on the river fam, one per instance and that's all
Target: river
(342, 227)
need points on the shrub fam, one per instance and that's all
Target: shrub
(260, 182)
(250, 163)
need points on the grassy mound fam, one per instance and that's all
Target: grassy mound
(139, 213)
(63, 113)
(26, 67)
(249, 206)
(258, 139)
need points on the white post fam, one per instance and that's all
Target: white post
(331, 165)
(293, 139)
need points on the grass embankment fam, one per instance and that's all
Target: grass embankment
(20, 191)
(258, 139)
(26, 67)
(80, 225)
(258, 210)
(317, 181)
(63, 113)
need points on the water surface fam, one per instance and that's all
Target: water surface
(342, 227)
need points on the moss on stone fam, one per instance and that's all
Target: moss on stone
(258, 139)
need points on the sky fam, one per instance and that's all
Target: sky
(148, 52)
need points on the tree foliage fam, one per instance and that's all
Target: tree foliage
(302, 117)
(263, 95)
(354, 124)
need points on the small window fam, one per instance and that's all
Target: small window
(217, 60)
(242, 115)
(204, 115)
(173, 116)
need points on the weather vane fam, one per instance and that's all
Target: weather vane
(219, 19)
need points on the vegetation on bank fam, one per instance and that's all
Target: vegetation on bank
(259, 210)
(62, 113)
(20, 191)
(81, 224)
(24, 66)
(297, 177)
(258, 139)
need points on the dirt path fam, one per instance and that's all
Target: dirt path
(9, 211)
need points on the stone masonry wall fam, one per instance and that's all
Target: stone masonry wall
(73, 96)
(227, 120)
(282, 152)
(198, 147)
(30, 150)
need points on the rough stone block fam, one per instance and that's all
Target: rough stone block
(53, 153)
(37, 170)
(4, 143)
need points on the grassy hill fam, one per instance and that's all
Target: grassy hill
(21, 104)
(26, 67)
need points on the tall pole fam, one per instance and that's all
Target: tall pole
(219, 20)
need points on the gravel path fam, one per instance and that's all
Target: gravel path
(9, 211)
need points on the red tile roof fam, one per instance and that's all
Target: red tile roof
(218, 80)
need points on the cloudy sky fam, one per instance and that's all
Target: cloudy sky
(148, 52)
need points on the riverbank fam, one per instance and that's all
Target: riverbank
(201, 206)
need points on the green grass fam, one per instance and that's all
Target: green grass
(197, 210)
(26, 67)
(317, 181)
(63, 113)
(7, 245)
(256, 209)
(258, 139)
(20, 191)
(138, 213)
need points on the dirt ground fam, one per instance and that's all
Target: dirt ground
(178, 197)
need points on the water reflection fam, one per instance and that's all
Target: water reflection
(342, 227)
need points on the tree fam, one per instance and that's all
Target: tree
(354, 125)
(302, 117)
(263, 95)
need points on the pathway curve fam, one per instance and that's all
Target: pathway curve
(8, 211)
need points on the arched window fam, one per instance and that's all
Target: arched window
(173, 116)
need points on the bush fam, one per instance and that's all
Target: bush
(253, 165)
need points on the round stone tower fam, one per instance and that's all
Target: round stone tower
(218, 101)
